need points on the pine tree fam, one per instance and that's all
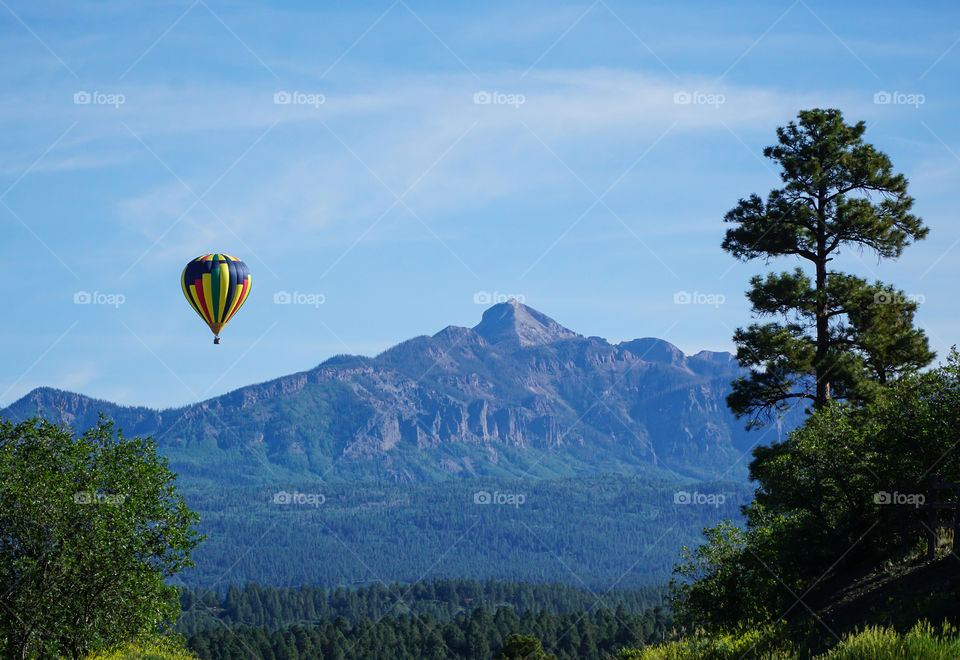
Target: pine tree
(840, 337)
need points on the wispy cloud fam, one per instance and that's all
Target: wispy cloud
(331, 166)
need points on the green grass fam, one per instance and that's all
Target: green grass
(922, 642)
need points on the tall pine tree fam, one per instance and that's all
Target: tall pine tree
(838, 336)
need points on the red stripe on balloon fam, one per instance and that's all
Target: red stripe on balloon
(198, 286)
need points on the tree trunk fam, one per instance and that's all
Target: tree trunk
(821, 369)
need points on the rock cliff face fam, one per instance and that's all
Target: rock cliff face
(517, 395)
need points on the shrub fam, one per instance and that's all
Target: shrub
(764, 643)
(148, 648)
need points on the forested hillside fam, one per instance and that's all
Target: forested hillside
(591, 531)
(272, 607)
(475, 636)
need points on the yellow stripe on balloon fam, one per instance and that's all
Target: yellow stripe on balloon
(235, 301)
(208, 295)
(232, 306)
(186, 292)
(195, 301)
(240, 296)
(246, 290)
(195, 297)
(224, 286)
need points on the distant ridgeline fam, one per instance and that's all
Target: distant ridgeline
(516, 450)
(518, 395)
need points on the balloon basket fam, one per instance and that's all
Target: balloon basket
(216, 340)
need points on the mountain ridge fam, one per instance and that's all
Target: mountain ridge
(517, 394)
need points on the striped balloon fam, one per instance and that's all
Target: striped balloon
(216, 285)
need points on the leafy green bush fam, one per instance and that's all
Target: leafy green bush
(764, 643)
(821, 505)
(148, 648)
(524, 647)
(91, 527)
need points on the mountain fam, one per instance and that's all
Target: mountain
(517, 395)
(514, 450)
(512, 324)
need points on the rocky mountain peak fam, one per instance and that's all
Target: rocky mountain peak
(651, 349)
(512, 323)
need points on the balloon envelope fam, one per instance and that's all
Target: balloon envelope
(216, 285)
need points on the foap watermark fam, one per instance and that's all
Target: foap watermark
(484, 97)
(696, 497)
(894, 297)
(698, 298)
(699, 98)
(96, 97)
(98, 298)
(496, 497)
(298, 98)
(899, 98)
(490, 297)
(901, 499)
(298, 298)
(93, 497)
(284, 498)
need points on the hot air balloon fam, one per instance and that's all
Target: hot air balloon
(216, 285)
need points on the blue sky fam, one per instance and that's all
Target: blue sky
(386, 192)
